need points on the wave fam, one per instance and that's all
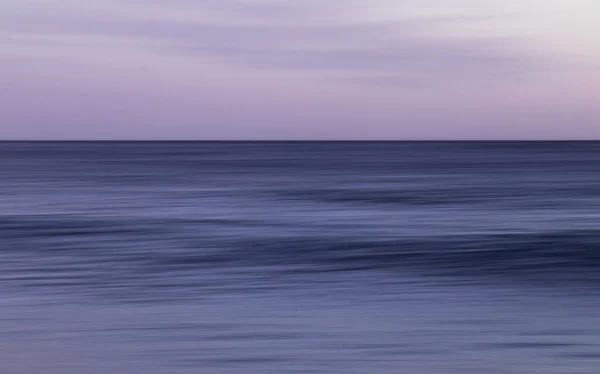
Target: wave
(380, 196)
(469, 254)
(137, 246)
(548, 257)
(510, 198)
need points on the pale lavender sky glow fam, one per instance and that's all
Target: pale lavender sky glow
(292, 69)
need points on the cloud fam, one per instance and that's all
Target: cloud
(291, 49)
(302, 36)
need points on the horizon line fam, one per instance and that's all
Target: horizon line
(294, 140)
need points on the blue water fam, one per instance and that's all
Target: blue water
(379, 258)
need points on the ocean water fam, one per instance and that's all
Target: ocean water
(275, 257)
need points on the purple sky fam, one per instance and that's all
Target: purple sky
(299, 69)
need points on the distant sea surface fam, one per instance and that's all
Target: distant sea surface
(300, 257)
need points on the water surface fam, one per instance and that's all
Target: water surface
(389, 257)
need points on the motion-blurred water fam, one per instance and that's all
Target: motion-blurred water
(380, 258)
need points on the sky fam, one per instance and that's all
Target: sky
(299, 69)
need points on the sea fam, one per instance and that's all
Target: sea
(299, 257)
